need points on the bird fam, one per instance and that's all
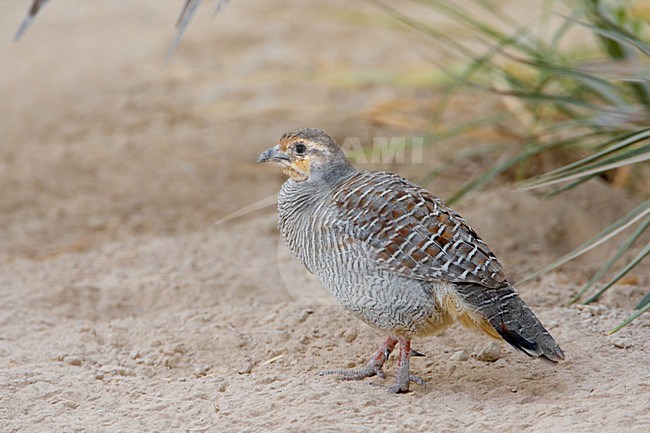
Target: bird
(394, 255)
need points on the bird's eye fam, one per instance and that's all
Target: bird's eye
(300, 148)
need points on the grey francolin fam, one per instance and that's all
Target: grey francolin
(394, 255)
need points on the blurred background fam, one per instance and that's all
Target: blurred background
(101, 139)
(126, 300)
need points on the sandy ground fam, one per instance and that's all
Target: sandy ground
(124, 307)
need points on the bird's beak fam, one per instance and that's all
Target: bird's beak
(272, 155)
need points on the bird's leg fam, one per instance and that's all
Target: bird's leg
(373, 367)
(404, 377)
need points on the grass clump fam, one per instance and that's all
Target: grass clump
(565, 96)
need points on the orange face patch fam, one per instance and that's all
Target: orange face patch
(285, 142)
(297, 170)
(303, 165)
(299, 166)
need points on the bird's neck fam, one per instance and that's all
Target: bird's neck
(332, 176)
(321, 184)
(299, 197)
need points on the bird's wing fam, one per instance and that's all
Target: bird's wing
(412, 232)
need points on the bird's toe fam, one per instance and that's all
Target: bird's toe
(357, 373)
(402, 386)
(417, 380)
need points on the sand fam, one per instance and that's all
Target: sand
(125, 305)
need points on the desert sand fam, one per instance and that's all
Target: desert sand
(128, 303)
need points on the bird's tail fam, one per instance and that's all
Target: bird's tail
(511, 319)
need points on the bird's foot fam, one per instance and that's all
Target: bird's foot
(402, 386)
(404, 377)
(372, 368)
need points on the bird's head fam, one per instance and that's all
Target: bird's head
(307, 154)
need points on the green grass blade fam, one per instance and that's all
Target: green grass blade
(471, 125)
(543, 97)
(460, 157)
(490, 174)
(619, 37)
(630, 157)
(627, 139)
(529, 152)
(607, 90)
(614, 229)
(568, 186)
(460, 15)
(437, 36)
(639, 257)
(644, 301)
(489, 6)
(629, 320)
(568, 23)
(622, 249)
(480, 64)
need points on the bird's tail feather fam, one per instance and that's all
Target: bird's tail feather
(512, 319)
